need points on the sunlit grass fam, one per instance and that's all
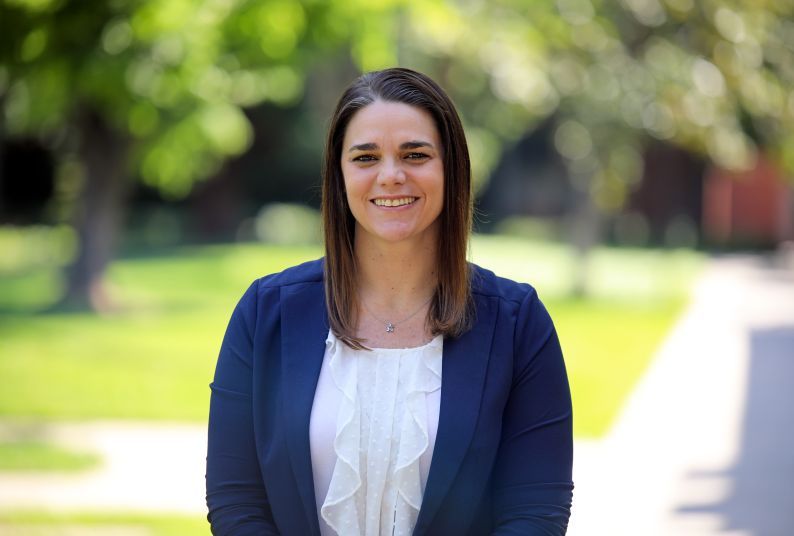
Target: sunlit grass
(607, 346)
(40, 456)
(608, 337)
(105, 524)
(155, 358)
(628, 274)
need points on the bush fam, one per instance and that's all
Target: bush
(285, 223)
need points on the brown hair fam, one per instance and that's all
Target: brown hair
(450, 310)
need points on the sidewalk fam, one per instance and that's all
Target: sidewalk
(147, 467)
(705, 445)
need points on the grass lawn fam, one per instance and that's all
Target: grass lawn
(40, 456)
(609, 337)
(105, 524)
(155, 359)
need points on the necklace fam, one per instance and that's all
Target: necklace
(391, 325)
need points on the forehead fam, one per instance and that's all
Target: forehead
(384, 121)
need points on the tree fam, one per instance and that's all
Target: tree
(714, 77)
(156, 89)
(147, 89)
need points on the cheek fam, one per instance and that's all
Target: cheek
(350, 195)
(353, 188)
(438, 187)
(355, 193)
(348, 181)
(438, 207)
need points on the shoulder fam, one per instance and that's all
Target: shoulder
(308, 272)
(520, 303)
(267, 289)
(486, 283)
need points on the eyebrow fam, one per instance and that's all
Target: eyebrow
(413, 144)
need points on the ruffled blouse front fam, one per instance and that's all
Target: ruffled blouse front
(372, 430)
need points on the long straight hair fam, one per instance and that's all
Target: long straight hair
(450, 311)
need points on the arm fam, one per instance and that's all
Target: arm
(236, 498)
(532, 477)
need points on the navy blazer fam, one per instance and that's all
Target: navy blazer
(503, 451)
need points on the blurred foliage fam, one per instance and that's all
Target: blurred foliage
(175, 84)
(176, 76)
(286, 223)
(714, 77)
(529, 227)
(36, 246)
(171, 76)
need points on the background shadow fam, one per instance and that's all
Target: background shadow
(761, 501)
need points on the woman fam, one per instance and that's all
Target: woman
(391, 387)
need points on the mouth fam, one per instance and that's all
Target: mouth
(394, 202)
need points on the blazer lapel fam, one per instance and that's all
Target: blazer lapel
(304, 327)
(465, 363)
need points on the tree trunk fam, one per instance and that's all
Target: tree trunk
(98, 214)
(2, 152)
(586, 233)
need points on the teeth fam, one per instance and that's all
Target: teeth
(395, 202)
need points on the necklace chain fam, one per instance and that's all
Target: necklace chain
(391, 325)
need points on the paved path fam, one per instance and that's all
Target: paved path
(146, 466)
(704, 446)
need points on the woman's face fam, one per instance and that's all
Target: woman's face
(394, 175)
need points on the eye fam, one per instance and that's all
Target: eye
(417, 156)
(365, 158)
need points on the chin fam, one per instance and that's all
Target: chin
(395, 234)
(394, 238)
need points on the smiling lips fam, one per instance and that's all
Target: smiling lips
(399, 202)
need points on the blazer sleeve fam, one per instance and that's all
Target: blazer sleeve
(236, 497)
(532, 486)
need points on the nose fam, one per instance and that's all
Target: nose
(391, 172)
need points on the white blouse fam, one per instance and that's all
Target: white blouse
(372, 430)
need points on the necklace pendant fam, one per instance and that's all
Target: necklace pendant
(389, 327)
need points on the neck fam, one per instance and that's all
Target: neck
(396, 276)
